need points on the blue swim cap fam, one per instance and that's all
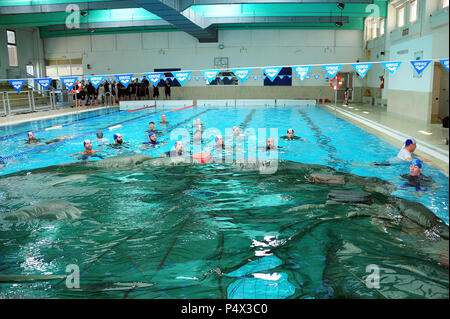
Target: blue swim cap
(116, 135)
(217, 138)
(150, 134)
(417, 162)
(410, 141)
(175, 144)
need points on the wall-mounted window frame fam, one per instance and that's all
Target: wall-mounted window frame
(11, 39)
(444, 3)
(413, 11)
(401, 13)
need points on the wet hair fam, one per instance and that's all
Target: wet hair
(151, 123)
(289, 130)
(99, 134)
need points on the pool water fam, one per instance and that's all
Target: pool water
(158, 230)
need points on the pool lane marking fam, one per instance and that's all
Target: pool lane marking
(184, 107)
(114, 127)
(7, 137)
(142, 108)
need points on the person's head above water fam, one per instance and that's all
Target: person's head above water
(151, 125)
(290, 133)
(117, 138)
(219, 140)
(163, 118)
(99, 134)
(415, 168)
(31, 136)
(410, 145)
(236, 130)
(179, 147)
(87, 145)
(152, 137)
(270, 142)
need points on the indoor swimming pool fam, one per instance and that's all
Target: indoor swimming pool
(139, 225)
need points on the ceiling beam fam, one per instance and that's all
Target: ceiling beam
(189, 21)
(182, 5)
(61, 7)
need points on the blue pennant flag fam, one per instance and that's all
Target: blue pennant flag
(332, 69)
(45, 83)
(302, 71)
(197, 78)
(182, 76)
(221, 77)
(392, 67)
(263, 77)
(154, 78)
(316, 76)
(69, 82)
(281, 77)
(230, 78)
(171, 78)
(445, 63)
(362, 68)
(125, 79)
(289, 76)
(255, 77)
(164, 78)
(189, 79)
(420, 65)
(242, 74)
(17, 84)
(96, 80)
(210, 75)
(307, 77)
(272, 72)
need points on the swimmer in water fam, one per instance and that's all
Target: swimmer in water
(179, 150)
(290, 136)
(101, 140)
(270, 144)
(151, 129)
(198, 134)
(87, 149)
(33, 140)
(117, 139)
(236, 131)
(220, 145)
(163, 120)
(415, 178)
(152, 141)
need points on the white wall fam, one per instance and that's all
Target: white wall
(143, 52)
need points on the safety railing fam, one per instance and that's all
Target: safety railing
(25, 102)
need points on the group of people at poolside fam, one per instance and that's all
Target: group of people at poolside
(110, 93)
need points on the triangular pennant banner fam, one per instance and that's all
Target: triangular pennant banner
(181, 76)
(125, 79)
(302, 71)
(316, 76)
(420, 65)
(154, 78)
(171, 78)
(362, 68)
(189, 79)
(96, 80)
(392, 67)
(69, 82)
(289, 76)
(210, 75)
(197, 78)
(445, 63)
(263, 77)
(45, 83)
(241, 74)
(281, 77)
(230, 78)
(272, 72)
(221, 77)
(17, 84)
(332, 69)
(255, 77)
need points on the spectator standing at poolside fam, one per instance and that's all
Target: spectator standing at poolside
(101, 93)
(167, 89)
(107, 93)
(156, 92)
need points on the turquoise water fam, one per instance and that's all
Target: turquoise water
(154, 230)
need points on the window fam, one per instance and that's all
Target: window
(55, 68)
(401, 17)
(444, 3)
(382, 27)
(12, 48)
(374, 29)
(413, 11)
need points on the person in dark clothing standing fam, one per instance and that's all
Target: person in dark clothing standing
(107, 93)
(167, 89)
(156, 92)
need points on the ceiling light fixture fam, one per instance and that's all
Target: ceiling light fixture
(341, 5)
(84, 13)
